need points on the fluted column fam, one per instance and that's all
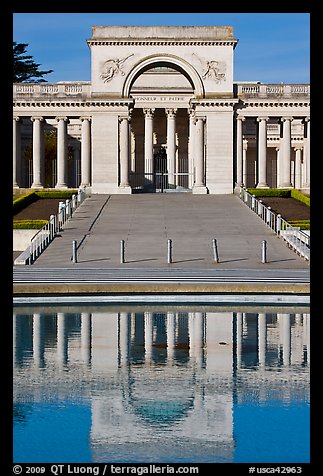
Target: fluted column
(298, 167)
(262, 152)
(16, 150)
(199, 185)
(61, 152)
(124, 153)
(86, 152)
(244, 163)
(149, 145)
(38, 152)
(307, 154)
(285, 155)
(171, 145)
(239, 163)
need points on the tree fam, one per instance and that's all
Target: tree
(24, 67)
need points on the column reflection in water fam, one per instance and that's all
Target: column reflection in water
(38, 341)
(62, 343)
(86, 337)
(172, 385)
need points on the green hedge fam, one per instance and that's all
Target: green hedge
(300, 197)
(280, 192)
(30, 197)
(29, 224)
(303, 224)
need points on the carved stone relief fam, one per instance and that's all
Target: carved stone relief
(111, 67)
(213, 69)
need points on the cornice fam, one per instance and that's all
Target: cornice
(80, 104)
(264, 103)
(160, 42)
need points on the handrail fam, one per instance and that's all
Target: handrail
(294, 237)
(47, 233)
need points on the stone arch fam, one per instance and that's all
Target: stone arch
(164, 60)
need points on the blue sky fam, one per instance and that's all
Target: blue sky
(272, 47)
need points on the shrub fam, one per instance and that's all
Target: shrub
(55, 193)
(270, 192)
(301, 197)
(29, 224)
(303, 224)
(24, 201)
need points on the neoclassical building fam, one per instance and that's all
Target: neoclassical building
(161, 113)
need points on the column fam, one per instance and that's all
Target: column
(149, 145)
(199, 185)
(124, 153)
(262, 339)
(278, 166)
(16, 168)
(285, 336)
(86, 152)
(298, 167)
(171, 145)
(244, 163)
(307, 180)
(262, 152)
(38, 152)
(86, 337)
(285, 156)
(239, 152)
(61, 152)
(191, 113)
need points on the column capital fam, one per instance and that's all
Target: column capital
(262, 118)
(83, 118)
(17, 119)
(240, 118)
(35, 118)
(298, 147)
(149, 112)
(200, 118)
(123, 118)
(62, 118)
(171, 112)
(307, 119)
(286, 118)
(191, 112)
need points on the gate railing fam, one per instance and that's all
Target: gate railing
(294, 237)
(161, 181)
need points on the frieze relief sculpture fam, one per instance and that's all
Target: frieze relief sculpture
(111, 67)
(214, 69)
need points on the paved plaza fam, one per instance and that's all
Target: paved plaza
(146, 221)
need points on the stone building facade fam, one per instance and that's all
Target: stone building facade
(161, 113)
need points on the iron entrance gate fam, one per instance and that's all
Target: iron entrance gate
(161, 180)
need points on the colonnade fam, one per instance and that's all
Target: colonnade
(39, 153)
(284, 154)
(195, 333)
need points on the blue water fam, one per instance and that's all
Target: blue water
(174, 386)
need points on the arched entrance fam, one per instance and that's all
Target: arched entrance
(161, 145)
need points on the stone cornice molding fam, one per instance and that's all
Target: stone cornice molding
(159, 42)
(214, 102)
(267, 103)
(80, 104)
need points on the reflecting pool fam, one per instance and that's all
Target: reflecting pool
(164, 385)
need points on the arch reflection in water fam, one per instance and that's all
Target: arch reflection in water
(162, 386)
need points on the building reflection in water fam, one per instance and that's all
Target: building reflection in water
(168, 381)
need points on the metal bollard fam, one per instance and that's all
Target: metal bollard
(215, 251)
(264, 251)
(169, 251)
(122, 248)
(74, 251)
